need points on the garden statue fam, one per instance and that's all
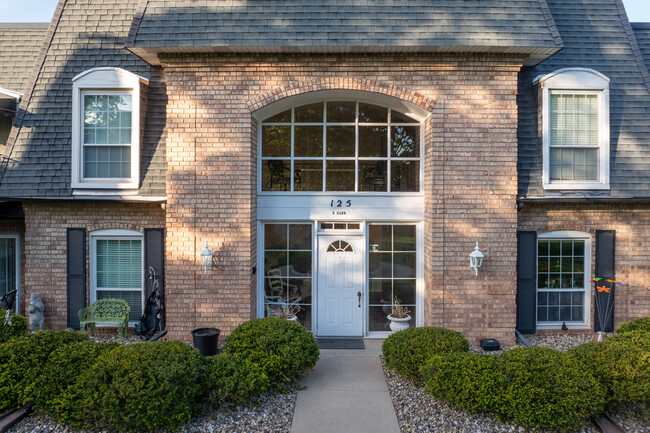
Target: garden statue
(36, 308)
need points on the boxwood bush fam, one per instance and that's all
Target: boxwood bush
(622, 365)
(22, 361)
(137, 387)
(407, 351)
(642, 324)
(537, 386)
(233, 380)
(283, 349)
(64, 365)
(18, 326)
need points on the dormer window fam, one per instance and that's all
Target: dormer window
(575, 130)
(106, 129)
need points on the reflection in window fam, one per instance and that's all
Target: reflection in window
(391, 272)
(340, 146)
(288, 269)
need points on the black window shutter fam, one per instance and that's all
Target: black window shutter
(605, 263)
(76, 259)
(526, 282)
(154, 257)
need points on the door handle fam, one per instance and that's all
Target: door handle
(359, 295)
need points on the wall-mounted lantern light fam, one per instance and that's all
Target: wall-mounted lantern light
(476, 258)
(206, 255)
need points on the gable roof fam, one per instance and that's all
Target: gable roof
(505, 26)
(597, 35)
(642, 33)
(19, 47)
(83, 34)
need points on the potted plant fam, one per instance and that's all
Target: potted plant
(399, 319)
(285, 311)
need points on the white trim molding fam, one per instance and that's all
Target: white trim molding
(105, 80)
(570, 235)
(574, 81)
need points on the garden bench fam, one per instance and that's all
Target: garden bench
(106, 311)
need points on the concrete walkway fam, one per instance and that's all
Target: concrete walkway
(346, 392)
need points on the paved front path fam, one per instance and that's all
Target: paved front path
(346, 392)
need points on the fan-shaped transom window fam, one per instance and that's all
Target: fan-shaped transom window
(340, 247)
(340, 146)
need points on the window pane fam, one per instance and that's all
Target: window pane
(372, 175)
(300, 263)
(276, 141)
(341, 112)
(574, 120)
(308, 175)
(312, 113)
(404, 265)
(107, 162)
(308, 141)
(7, 265)
(405, 291)
(380, 291)
(340, 141)
(300, 237)
(397, 117)
(373, 141)
(405, 141)
(302, 290)
(118, 264)
(276, 175)
(340, 176)
(405, 176)
(372, 113)
(284, 117)
(381, 236)
(275, 236)
(404, 238)
(275, 263)
(378, 320)
(381, 265)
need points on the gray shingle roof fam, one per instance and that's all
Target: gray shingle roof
(596, 35)
(642, 33)
(84, 34)
(522, 26)
(19, 47)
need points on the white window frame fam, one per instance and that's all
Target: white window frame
(109, 81)
(568, 235)
(579, 81)
(112, 234)
(16, 237)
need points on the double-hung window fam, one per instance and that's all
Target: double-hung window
(10, 267)
(575, 129)
(106, 129)
(116, 268)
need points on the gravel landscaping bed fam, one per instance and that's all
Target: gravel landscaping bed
(419, 411)
(273, 413)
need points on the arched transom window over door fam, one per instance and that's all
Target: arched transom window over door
(346, 146)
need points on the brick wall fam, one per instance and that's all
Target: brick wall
(470, 180)
(45, 267)
(632, 225)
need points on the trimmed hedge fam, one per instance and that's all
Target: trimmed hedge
(537, 386)
(23, 359)
(622, 365)
(63, 367)
(642, 324)
(283, 349)
(17, 329)
(232, 380)
(407, 351)
(137, 387)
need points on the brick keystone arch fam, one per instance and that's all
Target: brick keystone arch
(341, 83)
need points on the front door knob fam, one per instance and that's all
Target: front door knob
(359, 295)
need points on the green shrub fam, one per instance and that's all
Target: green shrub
(548, 389)
(18, 326)
(63, 367)
(284, 349)
(22, 360)
(137, 387)
(407, 351)
(623, 368)
(232, 380)
(639, 339)
(471, 381)
(642, 324)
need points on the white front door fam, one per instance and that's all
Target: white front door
(340, 285)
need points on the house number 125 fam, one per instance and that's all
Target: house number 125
(341, 203)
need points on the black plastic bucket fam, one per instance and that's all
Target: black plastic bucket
(206, 340)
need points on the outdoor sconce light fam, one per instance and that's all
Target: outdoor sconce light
(206, 255)
(476, 258)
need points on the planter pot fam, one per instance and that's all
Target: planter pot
(398, 324)
(206, 340)
(293, 318)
